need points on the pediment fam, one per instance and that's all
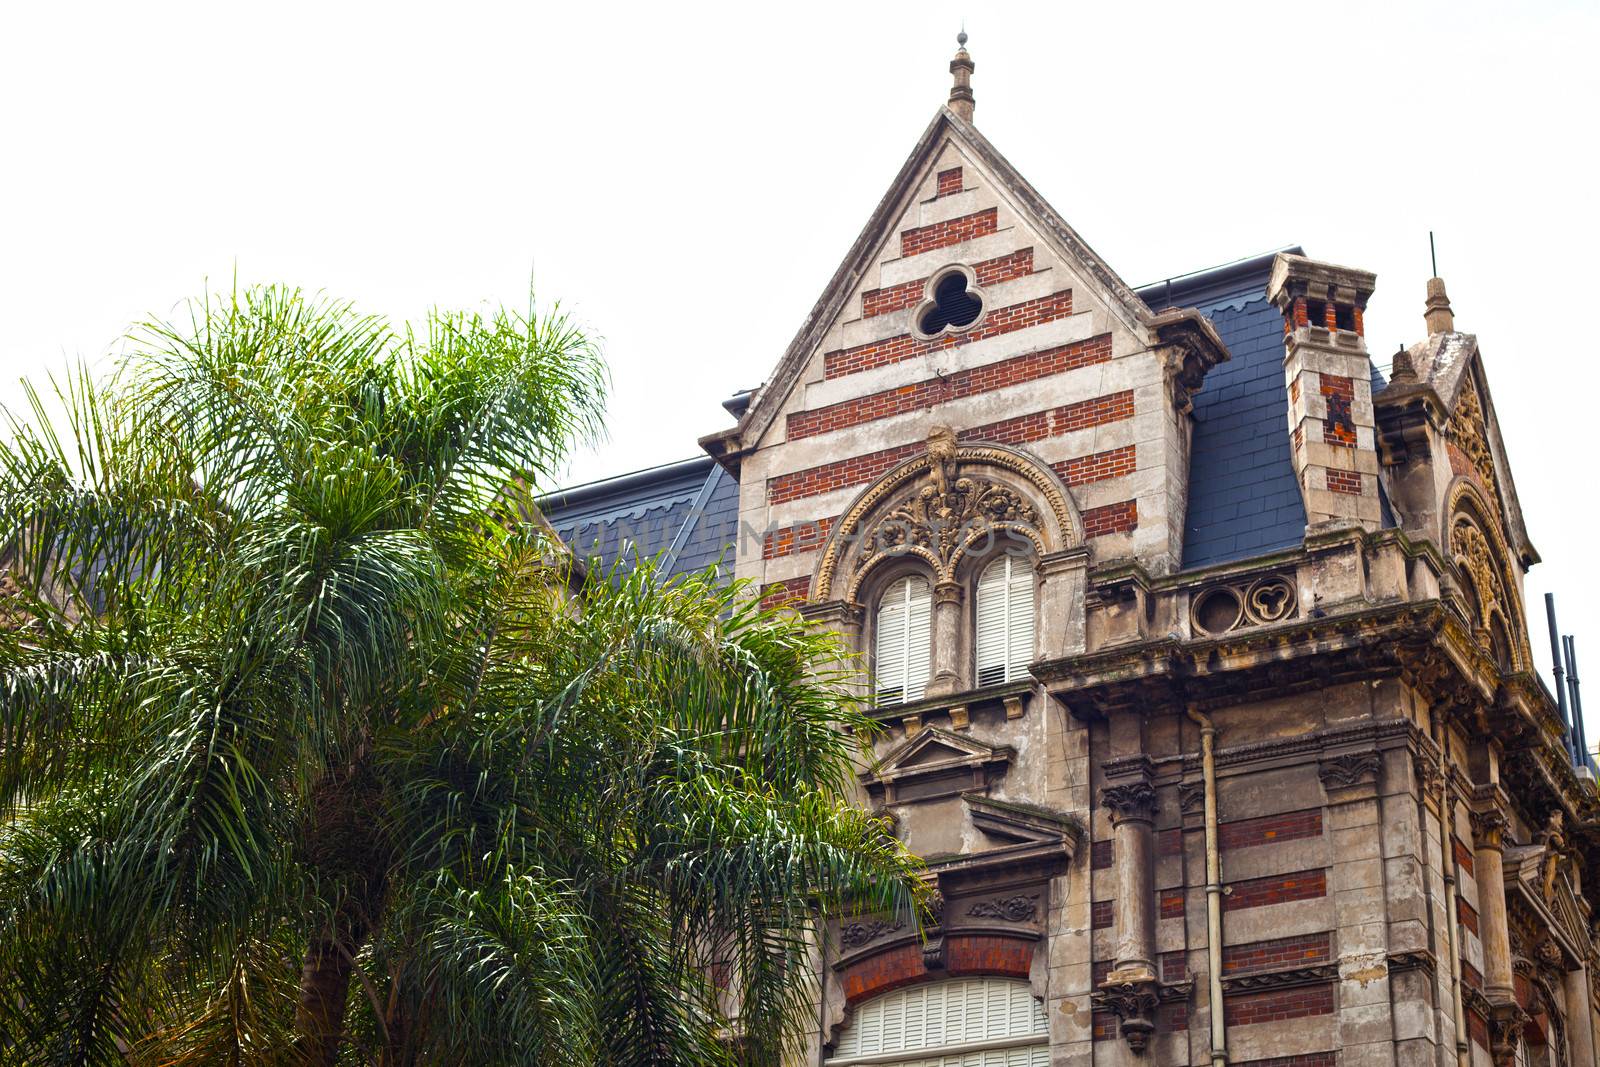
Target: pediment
(936, 749)
(935, 764)
(1015, 822)
(1093, 280)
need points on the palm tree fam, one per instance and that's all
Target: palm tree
(314, 746)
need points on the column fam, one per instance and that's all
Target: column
(1506, 1017)
(1580, 1023)
(1130, 987)
(949, 653)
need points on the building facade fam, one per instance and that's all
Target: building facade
(1199, 647)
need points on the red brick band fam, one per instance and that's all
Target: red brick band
(950, 232)
(1275, 889)
(781, 594)
(1102, 913)
(1344, 481)
(1243, 833)
(949, 182)
(964, 954)
(1098, 467)
(974, 381)
(1101, 854)
(1463, 855)
(805, 536)
(1338, 393)
(1121, 517)
(1467, 914)
(1170, 904)
(1304, 1059)
(1300, 951)
(1277, 1005)
(901, 347)
(990, 272)
(1008, 957)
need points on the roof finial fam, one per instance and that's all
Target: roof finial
(1437, 313)
(961, 67)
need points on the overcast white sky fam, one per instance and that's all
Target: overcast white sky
(686, 177)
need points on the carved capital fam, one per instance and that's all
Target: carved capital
(1135, 801)
(1348, 769)
(1488, 829)
(1507, 1021)
(1135, 1006)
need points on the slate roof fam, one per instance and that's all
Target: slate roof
(683, 514)
(1243, 497)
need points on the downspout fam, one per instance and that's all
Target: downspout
(1447, 849)
(1208, 771)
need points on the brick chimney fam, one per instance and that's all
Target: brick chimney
(1329, 381)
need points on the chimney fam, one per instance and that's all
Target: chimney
(1328, 377)
(961, 67)
(1438, 316)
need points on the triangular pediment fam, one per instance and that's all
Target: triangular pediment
(948, 141)
(934, 749)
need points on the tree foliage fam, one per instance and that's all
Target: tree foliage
(314, 746)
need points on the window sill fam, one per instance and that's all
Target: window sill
(959, 706)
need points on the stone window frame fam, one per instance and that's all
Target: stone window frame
(928, 300)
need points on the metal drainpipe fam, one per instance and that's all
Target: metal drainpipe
(1208, 770)
(1447, 838)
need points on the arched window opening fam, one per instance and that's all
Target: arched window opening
(904, 635)
(970, 1022)
(1004, 620)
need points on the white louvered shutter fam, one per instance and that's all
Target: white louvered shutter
(1004, 620)
(932, 1022)
(904, 634)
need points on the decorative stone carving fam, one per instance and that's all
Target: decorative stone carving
(939, 521)
(954, 507)
(1488, 828)
(1135, 1007)
(1348, 769)
(1554, 839)
(1191, 797)
(1135, 800)
(1507, 1021)
(1238, 605)
(1023, 907)
(856, 934)
(1468, 432)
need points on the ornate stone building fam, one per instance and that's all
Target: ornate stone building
(1200, 649)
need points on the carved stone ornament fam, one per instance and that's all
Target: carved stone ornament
(856, 934)
(1240, 604)
(1507, 1021)
(1348, 769)
(1488, 829)
(1136, 800)
(1468, 432)
(1023, 907)
(951, 506)
(947, 513)
(1191, 797)
(1135, 1008)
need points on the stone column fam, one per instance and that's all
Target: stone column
(1506, 1017)
(1488, 842)
(949, 652)
(1580, 1022)
(1130, 989)
(1133, 813)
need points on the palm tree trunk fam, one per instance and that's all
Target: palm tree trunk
(324, 992)
(345, 847)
